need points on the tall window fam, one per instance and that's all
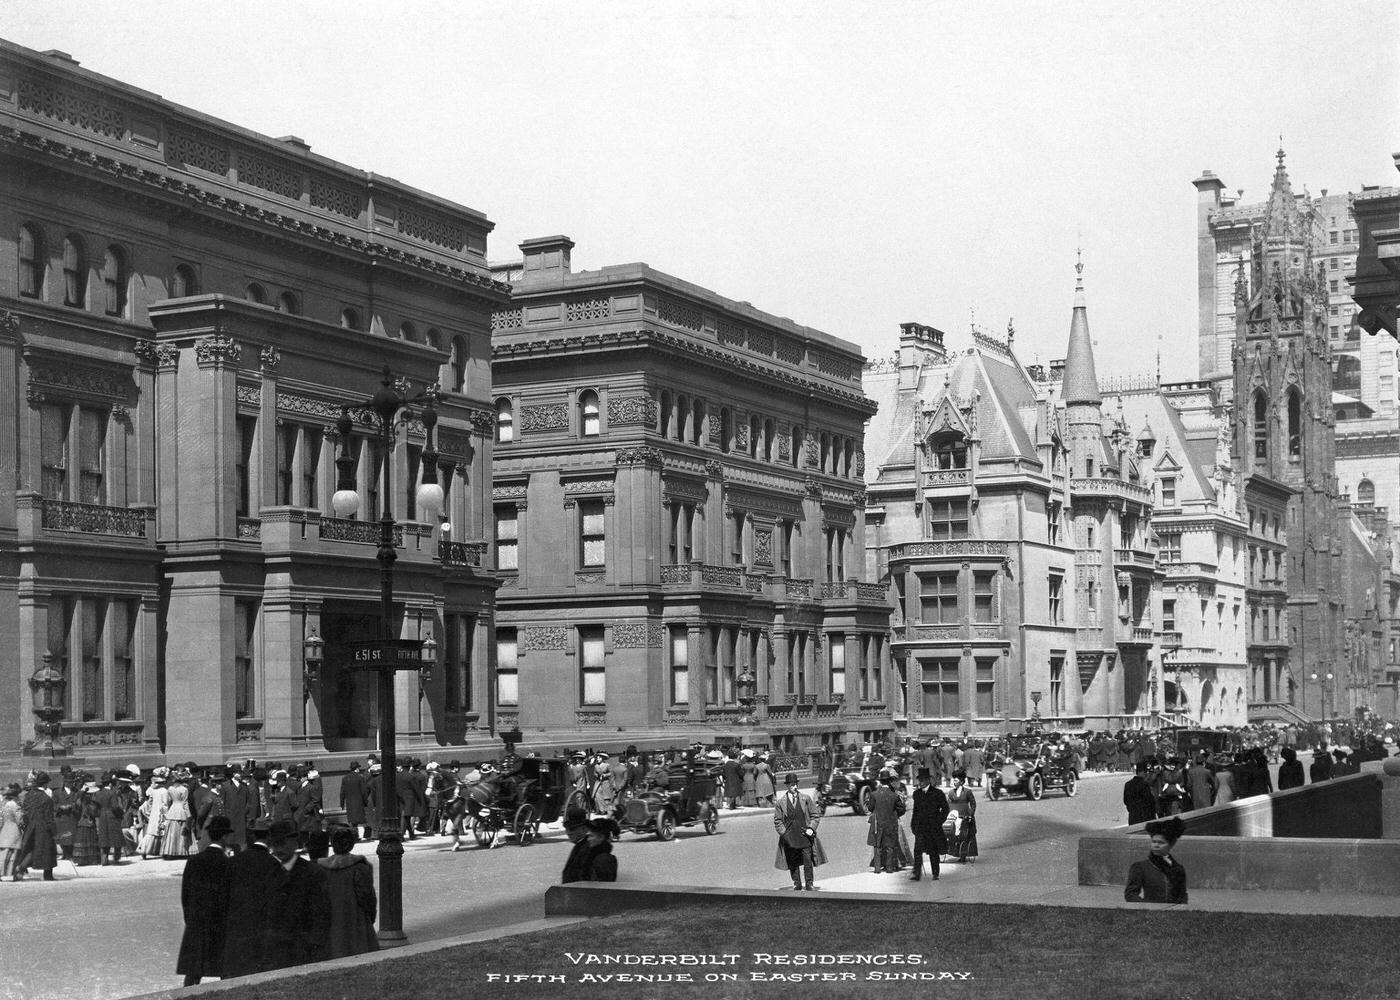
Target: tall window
(459, 364)
(350, 318)
(244, 463)
(1261, 426)
(1052, 523)
(754, 432)
(507, 537)
(1168, 491)
(787, 533)
(592, 540)
(665, 417)
(680, 665)
(1168, 615)
(408, 332)
(986, 688)
(796, 663)
(835, 555)
(1055, 586)
(414, 461)
(984, 597)
(736, 538)
(726, 430)
(836, 662)
(61, 610)
(505, 420)
(947, 519)
(60, 450)
(796, 446)
(768, 440)
(31, 262)
(950, 453)
(938, 596)
(114, 282)
(507, 668)
(74, 273)
(457, 665)
(697, 422)
(940, 683)
(245, 620)
(594, 675)
(93, 619)
(1366, 492)
(1170, 546)
(184, 282)
(877, 669)
(123, 625)
(1295, 424)
(1057, 685)
(680, 546)
(298, 458)
(588, 413)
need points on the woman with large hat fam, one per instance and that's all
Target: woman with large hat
(153, 812)
(39, 845)
(1159, 879)
(11, 829)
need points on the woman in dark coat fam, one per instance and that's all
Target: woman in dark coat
(111, 807)
(204, 892)
(1290, 772)
(350, 882)
(592, 859)
(39, 848)
(963, 844)
(1159, 879)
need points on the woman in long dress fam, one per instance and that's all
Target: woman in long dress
(11, 829)
(85, 847)
(962, 810)
(175, 843)
(763, 787)
(153, 809)
(750, 776)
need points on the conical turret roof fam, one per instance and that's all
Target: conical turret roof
(1081, 382)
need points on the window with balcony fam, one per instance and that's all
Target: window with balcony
(938, 598)
(592, 534)
(680, 544)
(736, 537)
(755, 435)
(787, 534)
(948, 519)
(680, 665)
(507, 667)
(796, 446)
(835, 555)
(298, 461)
(698, 425)
(32, 264)
(507, 518)
(593, 673)
(940, 688)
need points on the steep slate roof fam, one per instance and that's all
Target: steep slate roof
(1193, 481)
(1081, 382)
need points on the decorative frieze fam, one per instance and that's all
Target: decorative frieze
(773, 504)
(762, 547)
(67, 378)
(650, 457)
(587, 309)
(332, 198)
(194, 149)
(63, 515)
(623, 410)
(506, 319)
(431, 228)
(544, 417)
(506, 494)
(678, 313)
(77, 107)
(685, 490)
(249, 395)
(838, 517)
(270, 176)
(308, 406)
(789, 351)
(456, 445)
(591, 718)
(216, 351)
(546, 637)
(639, 635)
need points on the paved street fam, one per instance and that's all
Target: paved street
(109, 933)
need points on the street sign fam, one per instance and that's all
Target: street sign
(387, 654)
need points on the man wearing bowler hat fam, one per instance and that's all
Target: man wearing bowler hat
(250, 874)
(795, 817)
(926, 822)
(204, 892)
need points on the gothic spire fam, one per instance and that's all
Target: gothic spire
(1081, 382)
(1281, 222)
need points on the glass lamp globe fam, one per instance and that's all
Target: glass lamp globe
(345, 503)
(430, 500)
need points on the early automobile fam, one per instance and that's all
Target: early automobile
(681, 794)
(852, 782)
(1030, 765)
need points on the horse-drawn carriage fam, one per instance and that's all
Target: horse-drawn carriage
(681, 794)
(514, 802)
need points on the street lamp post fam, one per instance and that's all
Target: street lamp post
(383, 412)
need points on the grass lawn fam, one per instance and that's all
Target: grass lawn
(1029, 953)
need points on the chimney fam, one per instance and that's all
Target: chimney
(918, 345)
(547, 255)
(60, 55)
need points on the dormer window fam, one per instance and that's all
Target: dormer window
(950, 452)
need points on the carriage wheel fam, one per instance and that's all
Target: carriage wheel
(1035, 787)
(860, 805)
(994, 790)
(577, 802)
(666, 825)
(485, 835)
(1071, 783)
(711, 819)
(526, 824)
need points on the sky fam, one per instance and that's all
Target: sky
(849, 165)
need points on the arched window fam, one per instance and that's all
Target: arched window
(665, 417)
(459, 364)
(433, 337)
(1366, 492)
(255, 293)
(31, 262)
(183, 283)
(797, 437)
(769, 437)
(1295, 424)
(824, 456)
(350, 318)
(848, 458)
(697, 422)
(726, 429)
(1261, 426)
(505, 420)
(754, 428)
(407, 331)
(682, 415)
(287, 303)
(74, 272)
(114, 281)
(588, 413)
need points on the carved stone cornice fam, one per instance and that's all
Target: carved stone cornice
(650, 457)
(66, 377)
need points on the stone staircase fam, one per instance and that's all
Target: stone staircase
(1277, 711)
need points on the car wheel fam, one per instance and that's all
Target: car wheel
(665, 825)
(1071, 783)
(711, 819)
(994, 791)
(1035, 787)
(525, 824)
(860, 805)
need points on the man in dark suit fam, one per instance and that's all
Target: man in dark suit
(204, 891)
(885, 809)
(250, 874)
(418, 778)
(733, 780)
(308, 803)
(297, 928)
(352, 798)
(403, 785)
(240, 805)
(926, 822)
(1139, 797)
(795, 818)
(1321, 767)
